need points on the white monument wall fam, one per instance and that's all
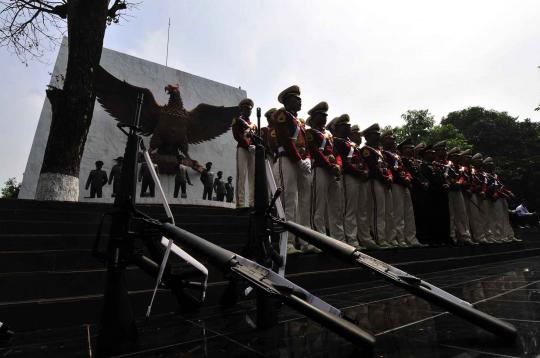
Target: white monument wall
(106, 142)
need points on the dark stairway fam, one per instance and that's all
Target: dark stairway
(49, 279)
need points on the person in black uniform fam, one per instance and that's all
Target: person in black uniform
(114, 176)
(437, 199)
(219, 187)
(147, 181)
(181, 177)
(229, 190)
(96, 179)
(207, 178)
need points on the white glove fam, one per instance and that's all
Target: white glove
(305, 166)
(251, 148)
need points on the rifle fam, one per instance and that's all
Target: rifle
(118, 332)
(414, 285)
(267, 282)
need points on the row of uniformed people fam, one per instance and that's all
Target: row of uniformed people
(465, 201)
(358, 195)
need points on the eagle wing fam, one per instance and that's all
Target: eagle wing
(207, 122)
(119, 99)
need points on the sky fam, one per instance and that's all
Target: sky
(372, 60)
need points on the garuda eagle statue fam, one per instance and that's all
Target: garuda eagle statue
(171, 126)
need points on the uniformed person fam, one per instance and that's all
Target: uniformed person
(460, 232)
(326, 200)
(114, 176)
(405, 151)
(219, 187)
(229, 190)
(207, 179)
(96, 179)
(401, 181)
(294, 164)
(436, 200)
(181, 178)
(492, 193)
(355, 175)
(269, 137)
(364, 209)
(479, 180)
(356, 135)
(243, 129)
(380, 181)
(498, 194)
(474, 207)
(440, 194)
(419, 193)
(148, 186)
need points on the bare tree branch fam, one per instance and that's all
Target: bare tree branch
(29, 28)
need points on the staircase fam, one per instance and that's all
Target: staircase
(49, 279)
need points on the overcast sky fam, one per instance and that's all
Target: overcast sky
(372, 60)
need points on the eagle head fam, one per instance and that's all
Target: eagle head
(174, 94)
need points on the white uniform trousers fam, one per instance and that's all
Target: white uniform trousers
(476, 220)
(398, 213)
(487, 212)
(351, 199)
(377, 192)
(404, 215)
(295, 195)
(503, 220)
(390, 236)
(459, 220)
(326, 200)
(245, 167)
(363, 217)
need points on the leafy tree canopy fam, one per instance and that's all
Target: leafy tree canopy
(11, 189)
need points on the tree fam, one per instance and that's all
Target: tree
(451, 134)
(417, 125)
(24, 26)
(11, 189)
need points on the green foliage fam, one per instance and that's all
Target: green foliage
(420, 127)
(496, 133)
(449, 133)
(418, 124)
(11, 189)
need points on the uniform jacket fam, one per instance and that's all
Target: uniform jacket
(229, 189)
(291, 136)
(269, 137)
(413, 166)
(352, 163)
(451, 173)
(241, 128)
(395, 164)
(321, 149)
(378, 169)
(96, 179)
(433, 172)
(478, 181)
